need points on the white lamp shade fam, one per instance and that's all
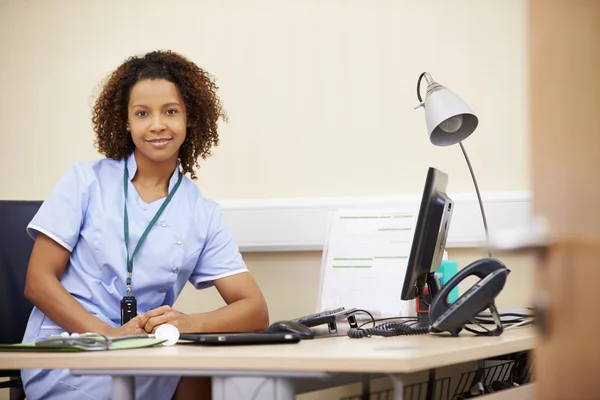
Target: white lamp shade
(441, 105)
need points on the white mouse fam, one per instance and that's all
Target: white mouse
(167, 332)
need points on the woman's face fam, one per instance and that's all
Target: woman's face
(156, 119)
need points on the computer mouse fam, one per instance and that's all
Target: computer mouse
(291, 327)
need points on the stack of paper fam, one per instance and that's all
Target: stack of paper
(365, 260)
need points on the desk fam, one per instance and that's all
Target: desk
(317, 359)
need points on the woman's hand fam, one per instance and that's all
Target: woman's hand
(130, 328)
(165, 315)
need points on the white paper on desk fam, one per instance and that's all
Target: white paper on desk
(365, 259)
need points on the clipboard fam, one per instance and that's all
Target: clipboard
(80, 345)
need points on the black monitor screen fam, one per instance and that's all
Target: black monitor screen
(431, 230)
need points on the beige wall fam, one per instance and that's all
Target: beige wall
(290, 282)
(320, 94)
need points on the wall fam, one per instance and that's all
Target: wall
(320, 95)
(290, 282)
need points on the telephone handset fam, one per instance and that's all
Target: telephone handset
(453, 317)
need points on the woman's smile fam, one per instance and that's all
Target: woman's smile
(159, 143)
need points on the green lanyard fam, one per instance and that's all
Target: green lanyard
(148, 228)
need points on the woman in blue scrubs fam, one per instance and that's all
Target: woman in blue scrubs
(134, 225)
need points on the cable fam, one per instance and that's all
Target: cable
(491, 322)
(511, 314)
(476, 332)
(519, 324)
(496, 332)
(419, 86)
(488, 320)
(360, 310)
(387, 319)
(387, 329)
(485, 225)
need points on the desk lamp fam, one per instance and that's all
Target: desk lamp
(449, 121)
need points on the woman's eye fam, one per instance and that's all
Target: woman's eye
(171, 111)
(141, 113)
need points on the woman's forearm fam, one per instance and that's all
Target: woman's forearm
(243, 315)
(46, 292)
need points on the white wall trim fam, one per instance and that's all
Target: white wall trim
(300, 224)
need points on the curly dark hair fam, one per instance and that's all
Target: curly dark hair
(197, 88)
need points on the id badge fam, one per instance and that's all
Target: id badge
(128, 309)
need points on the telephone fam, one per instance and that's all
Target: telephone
(452, 318)
(445, 317)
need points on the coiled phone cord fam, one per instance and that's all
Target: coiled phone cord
(388, 329)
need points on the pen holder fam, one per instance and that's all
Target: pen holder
(447, 270)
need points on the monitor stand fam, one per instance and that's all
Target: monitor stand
(425, 299)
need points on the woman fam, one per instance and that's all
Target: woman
(154, 117)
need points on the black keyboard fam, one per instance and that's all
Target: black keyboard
(323, 317)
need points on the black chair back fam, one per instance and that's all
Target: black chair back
(15, 249)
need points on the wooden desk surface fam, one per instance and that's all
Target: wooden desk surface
(401, 354)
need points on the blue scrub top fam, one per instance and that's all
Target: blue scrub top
(190, 242)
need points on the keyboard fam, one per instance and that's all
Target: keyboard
(323, 317)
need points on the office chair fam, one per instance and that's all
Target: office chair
(15, 249)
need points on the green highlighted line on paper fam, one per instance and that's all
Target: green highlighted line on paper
(375, 216)
(352, 258)
(390, 257)
(352, 266)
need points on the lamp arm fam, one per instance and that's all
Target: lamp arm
(485, 225)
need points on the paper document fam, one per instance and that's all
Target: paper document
(365, 260)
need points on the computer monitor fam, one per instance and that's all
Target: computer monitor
(429, 240)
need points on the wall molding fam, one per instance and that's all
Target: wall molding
(300, 224)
